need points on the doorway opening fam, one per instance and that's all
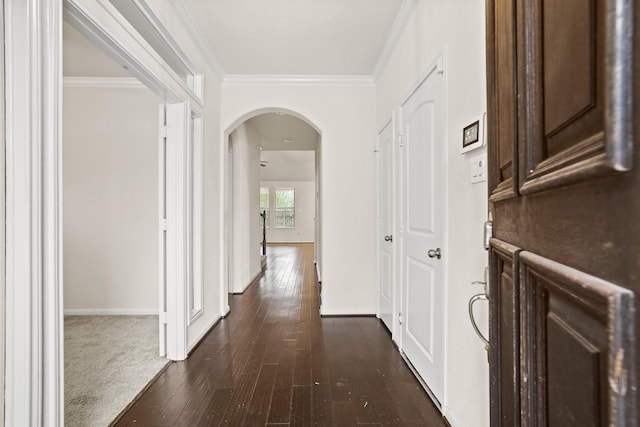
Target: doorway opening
(110, 234)
(272, 181)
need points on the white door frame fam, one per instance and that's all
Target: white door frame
(34, 317)
(34, 357)
(100, 22)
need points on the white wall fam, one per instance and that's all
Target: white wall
(457, 29)
(110, 200)
(246, 206)
(345, 117)
(304, 230)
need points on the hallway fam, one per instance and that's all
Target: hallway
(274, 361)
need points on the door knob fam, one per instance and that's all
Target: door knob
(388, 238)
(434, 253)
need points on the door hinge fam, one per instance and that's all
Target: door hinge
(164, 131)
(163, 318)
(163, 224)
(400, 318)
(401, 140)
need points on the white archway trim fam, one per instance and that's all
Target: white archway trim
(225, 189)
(34, 358)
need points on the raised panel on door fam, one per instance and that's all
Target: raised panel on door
(578, 116)
(501, 91)
(504, 352)
(578, 345)
(573, 213)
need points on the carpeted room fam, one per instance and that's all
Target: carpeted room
(111, 250)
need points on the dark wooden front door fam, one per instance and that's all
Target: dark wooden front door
(564, 192)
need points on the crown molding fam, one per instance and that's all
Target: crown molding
(200, 41)
(398, 27)
(258, 79)
(105, 82)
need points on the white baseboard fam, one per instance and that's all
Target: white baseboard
(110, 312)
(450, 419)
(255, 276)
(347, 313)
(204, 332)
(290, 243)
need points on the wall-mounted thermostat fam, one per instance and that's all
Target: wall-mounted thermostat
(473, 135)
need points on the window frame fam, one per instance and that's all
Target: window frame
(276, 210)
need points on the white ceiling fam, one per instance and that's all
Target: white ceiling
(284, 132)
(270, 37)
(288, 166)
(301, 37)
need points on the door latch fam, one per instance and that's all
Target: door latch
(488, 234)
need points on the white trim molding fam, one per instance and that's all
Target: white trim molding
(111, 312)
(104, 26)
(258, 79)
(105, 82)
(196, 339)
(198, 38)
(34, 354)
(398, 27)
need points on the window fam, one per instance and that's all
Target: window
(285, 208)
(264, 206)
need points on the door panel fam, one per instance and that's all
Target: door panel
(575, 116)
(577, 333)
(422, 225)
(501, 93)
(419, 325)
(505, 333)
(571, 212)
(385, 298)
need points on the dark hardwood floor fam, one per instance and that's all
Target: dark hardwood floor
(274, 361)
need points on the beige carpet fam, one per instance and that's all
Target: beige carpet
(107, 361)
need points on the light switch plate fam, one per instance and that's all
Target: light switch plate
(478, 168)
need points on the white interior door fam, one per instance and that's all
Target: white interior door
(423, 121)
(385, 297)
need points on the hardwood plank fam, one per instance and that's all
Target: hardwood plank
(261, 399)
(274, 361)
(301, 405)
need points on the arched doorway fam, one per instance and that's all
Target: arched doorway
(277, 152)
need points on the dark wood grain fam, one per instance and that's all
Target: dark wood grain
(572, 214)
(275, 361)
